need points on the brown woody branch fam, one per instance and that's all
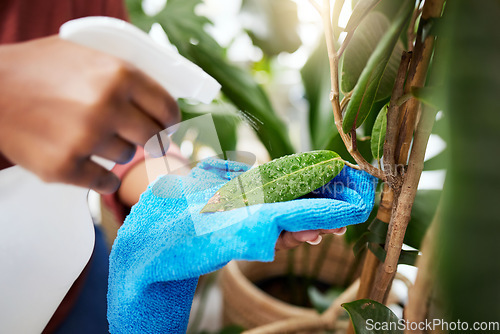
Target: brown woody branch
(392, 119)
(406, 194)
(411, 27)
(402, 212)
(371, 262)
(417, 74)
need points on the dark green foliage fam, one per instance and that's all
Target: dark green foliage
(470, 233)
(186, 31)
(365, 313)
(365, 91)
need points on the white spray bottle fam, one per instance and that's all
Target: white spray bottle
(46, 231)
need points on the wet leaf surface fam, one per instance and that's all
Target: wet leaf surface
(280, 180)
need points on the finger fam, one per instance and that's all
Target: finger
(150, 97)
(305, 236)
(117, 150)
(91, 175)
(288, 240)
(135, 126)
(337, 231)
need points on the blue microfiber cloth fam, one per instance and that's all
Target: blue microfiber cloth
(165, 244)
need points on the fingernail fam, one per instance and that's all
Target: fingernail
(315, 241)
(342, 231)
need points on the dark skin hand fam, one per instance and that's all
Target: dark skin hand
(61, 103)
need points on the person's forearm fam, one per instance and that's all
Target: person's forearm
(137, 179)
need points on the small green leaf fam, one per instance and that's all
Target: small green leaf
(366, 88)
(378, 134)
(408, 257)
(371, 317)
(280, 180)
(321, 301)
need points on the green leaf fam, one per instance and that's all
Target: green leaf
(389, 76)
(408, 257)
(272, 25)
(366, 239)
(367, 126)
(378, 134)
(429, 96)
(440, 161)
(361, 9)
(371, 317)
(225, 119)
(317, 86)
(242, 90)
(378, 251)
(359, 50)
(280, 180)
(364, 93)
(137, 15)
(389, 8)
(186, 31)
(322, 301)
(422, 212)
(231, 329)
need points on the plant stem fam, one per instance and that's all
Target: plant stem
(337, 8)
(405, 194)
(334, 95)
(316, 6)
(347, 163)
(402, 211)
(392, 119)
(411, 27)
(371, 262)
(416, 78)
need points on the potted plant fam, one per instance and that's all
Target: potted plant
(383, 80)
